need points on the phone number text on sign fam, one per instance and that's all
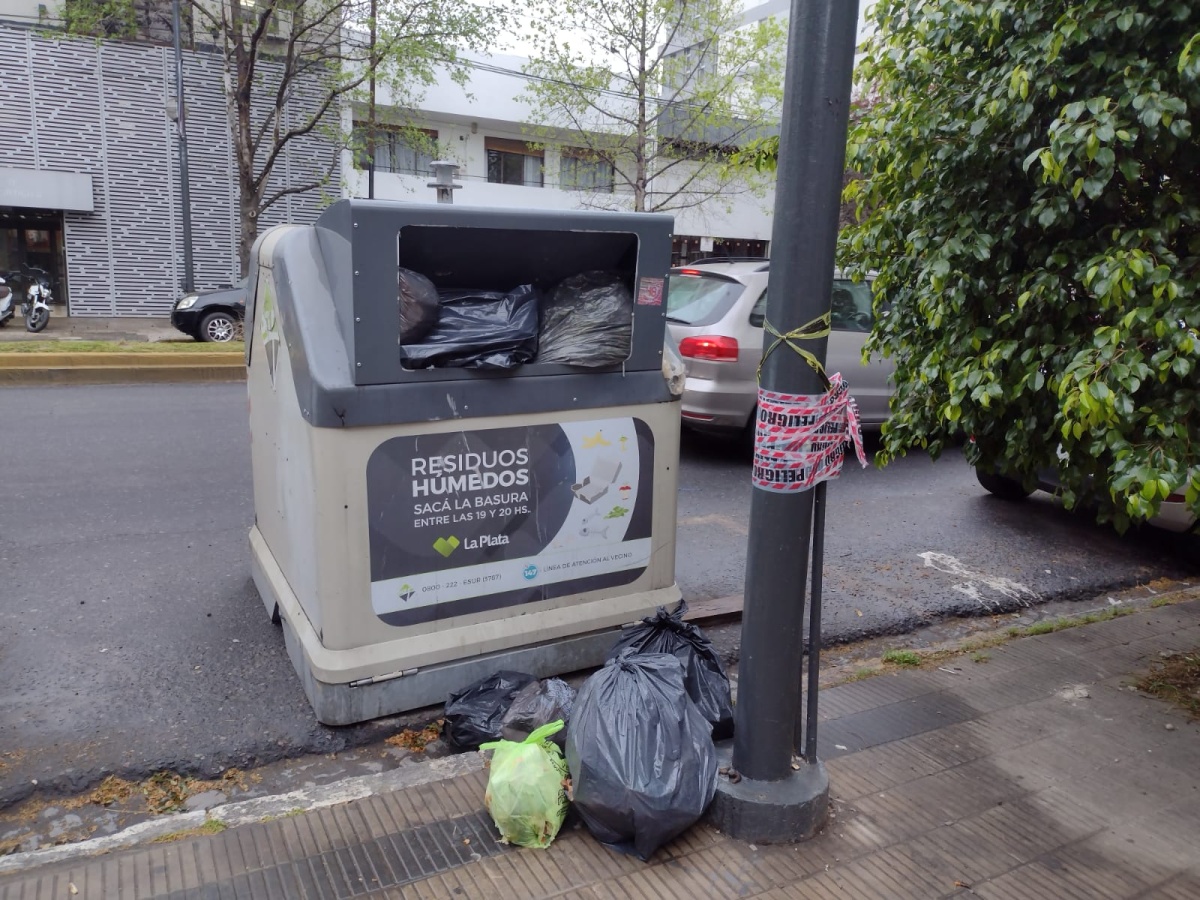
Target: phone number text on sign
(799, 439)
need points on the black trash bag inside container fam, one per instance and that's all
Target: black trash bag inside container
(538, 703)
(418, 306)
(642, 760)
(473, 715)
(703, 674)
(479, 330)
(587, 321)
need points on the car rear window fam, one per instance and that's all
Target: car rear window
(850, 307)
(700, 299)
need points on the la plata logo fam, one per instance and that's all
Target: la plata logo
(446, 546)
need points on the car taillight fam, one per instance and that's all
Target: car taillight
(709, 346)
(689, 271)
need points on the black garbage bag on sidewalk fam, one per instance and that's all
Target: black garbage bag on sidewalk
(642, 760)
(539, 703)
(479, 330)
(473, 715)
(703, 674)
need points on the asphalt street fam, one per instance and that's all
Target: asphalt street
(132, 639)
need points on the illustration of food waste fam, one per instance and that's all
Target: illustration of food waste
(469, 521)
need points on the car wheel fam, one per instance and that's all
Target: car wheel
(218, 328)
(1000, 486)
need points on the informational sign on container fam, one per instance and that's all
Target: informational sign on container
(468, 521)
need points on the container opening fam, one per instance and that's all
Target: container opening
(498, 259)
(512, 297)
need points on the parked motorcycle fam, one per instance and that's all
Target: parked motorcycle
(36, 305)
(8, 302)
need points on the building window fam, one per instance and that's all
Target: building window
(583, 170)
(701, 151)
(684, 67)
(513, 162)
(405, 151)
(687, 249)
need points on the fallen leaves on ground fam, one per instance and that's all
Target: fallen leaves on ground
(1176, 680)
(416, 739)
(111, 790)
(165, 792)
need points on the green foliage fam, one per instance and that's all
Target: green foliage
(1049, 626)
(292, 66)
(761, 154)
(902, 658)
(1034, 195)
(665, 92)
(101, 18)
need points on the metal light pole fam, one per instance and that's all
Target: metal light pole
(189, 280)
(771, 800)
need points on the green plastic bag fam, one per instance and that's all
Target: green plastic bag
(526, 791)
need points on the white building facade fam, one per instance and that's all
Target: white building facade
(483, 126)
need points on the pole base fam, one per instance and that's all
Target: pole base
(770, 812)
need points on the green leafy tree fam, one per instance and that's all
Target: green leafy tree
(292, 67)
(120, 19)
(663, 91)
(763, 156)
(1032, 193)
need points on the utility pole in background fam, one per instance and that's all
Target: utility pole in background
(189, 275)
(772, 801)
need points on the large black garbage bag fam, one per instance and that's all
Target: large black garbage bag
(473, 715)
(480, 330)
(418, 306)
(587, 321)
(643, 765)
(538, 704)
(703, 674)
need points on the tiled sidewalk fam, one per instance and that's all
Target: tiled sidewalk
(1031, 775)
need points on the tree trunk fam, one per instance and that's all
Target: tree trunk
(374, 63)
(249, 227)
(249, 195)
(639, 181)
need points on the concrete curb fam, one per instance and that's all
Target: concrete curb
(64, 360)
(258, 809)
(34, 369)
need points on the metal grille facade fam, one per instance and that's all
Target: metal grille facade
(79, 105)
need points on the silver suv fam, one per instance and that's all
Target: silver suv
(715, 315)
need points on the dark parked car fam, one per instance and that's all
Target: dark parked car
(214, 316)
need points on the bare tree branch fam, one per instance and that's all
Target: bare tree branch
(647, 93)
